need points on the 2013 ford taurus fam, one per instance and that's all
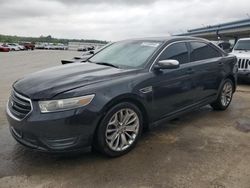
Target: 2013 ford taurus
(126, 87)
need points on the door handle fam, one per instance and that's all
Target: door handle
(190, 71)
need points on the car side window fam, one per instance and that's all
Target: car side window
(177, 51)
(202, 51)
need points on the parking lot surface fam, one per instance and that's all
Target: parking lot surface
(203, 148)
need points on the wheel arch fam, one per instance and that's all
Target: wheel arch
(232, 78)
(132, 98)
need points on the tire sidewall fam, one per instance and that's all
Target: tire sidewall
(101, 130)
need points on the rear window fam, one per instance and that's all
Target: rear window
(202, 51)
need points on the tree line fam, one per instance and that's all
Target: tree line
(48, 39)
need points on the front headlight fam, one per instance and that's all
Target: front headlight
(64, 104)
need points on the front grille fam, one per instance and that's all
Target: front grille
(243, 63)
(19, 106)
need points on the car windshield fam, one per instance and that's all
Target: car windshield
(126, 54)
(242, 45)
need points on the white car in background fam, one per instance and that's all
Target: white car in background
(13, 46)
(242, 51)
(21, 47)
(61, 46)
(49, 46)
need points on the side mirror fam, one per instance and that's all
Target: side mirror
(167, 64)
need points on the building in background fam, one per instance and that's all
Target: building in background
(230, 31)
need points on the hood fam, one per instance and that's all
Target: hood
(50, 82)
(241, 53)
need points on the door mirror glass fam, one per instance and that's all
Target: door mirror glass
(167, 64)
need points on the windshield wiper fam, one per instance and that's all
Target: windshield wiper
(107, 64)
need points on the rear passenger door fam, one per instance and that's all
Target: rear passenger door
(207, 63)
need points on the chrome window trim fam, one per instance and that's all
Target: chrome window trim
(176, 42)
(22, 97)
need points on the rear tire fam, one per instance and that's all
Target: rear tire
(119, 130)
(225, 96)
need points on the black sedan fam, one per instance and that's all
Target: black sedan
(106, 101)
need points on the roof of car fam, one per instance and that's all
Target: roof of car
(244, 39)
(168, 38)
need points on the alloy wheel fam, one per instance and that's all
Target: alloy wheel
(226, 94)
(122, 129)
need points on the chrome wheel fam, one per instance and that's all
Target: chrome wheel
(226, 94)
(122, 129)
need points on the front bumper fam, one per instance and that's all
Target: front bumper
(55, 132)
(244, 74)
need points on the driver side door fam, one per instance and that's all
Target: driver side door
(173, 89)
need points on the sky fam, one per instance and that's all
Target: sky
(114, 19)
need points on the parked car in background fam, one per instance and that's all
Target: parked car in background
(60, 46)
(86, 55)
(224, 45)
(79, 59)
(82, 49)
(39, 46)
(49, 46)
(4, 49)
(21, 47)
(12, 46)
(242, 51)
(86, 48)
(89, 48)
(126, 87)
(28, 45)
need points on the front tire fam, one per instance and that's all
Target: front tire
(225, 96)
(119, 130)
